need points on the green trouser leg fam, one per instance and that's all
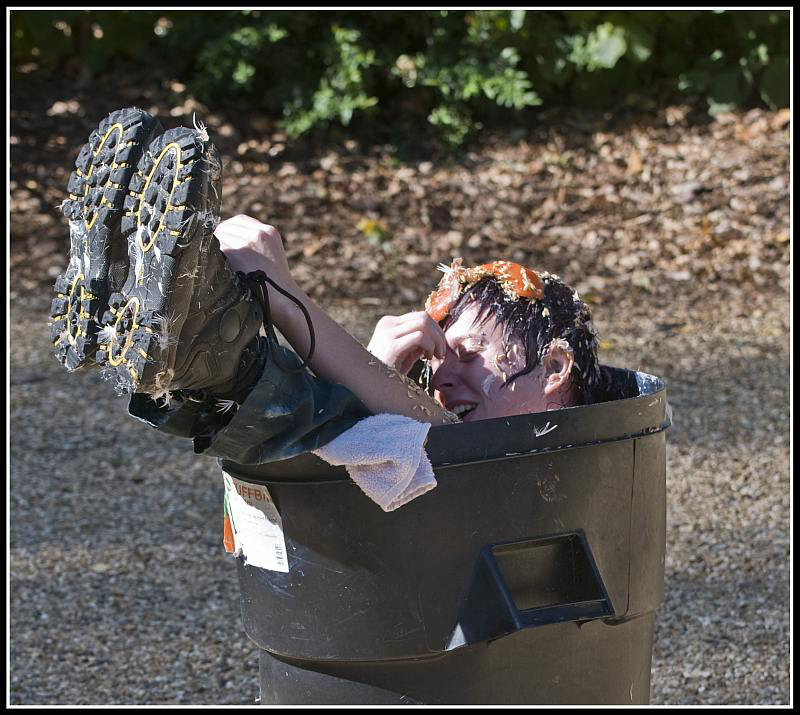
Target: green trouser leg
(285, 414)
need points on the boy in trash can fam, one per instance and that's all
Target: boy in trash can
(169, 303)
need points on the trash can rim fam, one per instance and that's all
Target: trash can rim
(491, 440)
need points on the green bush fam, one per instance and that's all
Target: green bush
(453, 69)
(55, 39)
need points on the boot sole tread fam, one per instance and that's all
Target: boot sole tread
(97, 189)
(166, 230)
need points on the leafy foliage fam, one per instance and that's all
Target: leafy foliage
(457, 69)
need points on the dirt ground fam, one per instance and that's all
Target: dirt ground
(675, 229)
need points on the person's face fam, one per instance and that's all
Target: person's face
(474, 368)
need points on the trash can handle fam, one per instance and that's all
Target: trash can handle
(533, 582)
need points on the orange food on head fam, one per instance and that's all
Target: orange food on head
(523, 282)
(438, 304)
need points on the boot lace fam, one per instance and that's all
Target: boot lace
(257, 281)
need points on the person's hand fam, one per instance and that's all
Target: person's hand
(250, 245)
(401, 340)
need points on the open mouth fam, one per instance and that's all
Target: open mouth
(464, 409)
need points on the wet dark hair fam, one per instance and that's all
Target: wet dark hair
(535, 324)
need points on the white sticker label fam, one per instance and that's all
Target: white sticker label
(256, 525)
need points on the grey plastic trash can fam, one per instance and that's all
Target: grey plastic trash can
(530, 575)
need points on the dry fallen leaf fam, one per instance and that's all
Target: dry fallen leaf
(634, 163)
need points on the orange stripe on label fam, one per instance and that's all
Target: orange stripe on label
(227, 538)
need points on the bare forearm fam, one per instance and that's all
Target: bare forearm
(250, 245)
(338, 357)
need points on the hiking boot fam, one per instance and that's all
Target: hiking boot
(98, 258)
(183, 320)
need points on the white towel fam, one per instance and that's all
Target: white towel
(385, 456)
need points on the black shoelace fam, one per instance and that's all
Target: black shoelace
(256, 281)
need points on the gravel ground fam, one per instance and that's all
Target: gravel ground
(674, 228)
(121, 592)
